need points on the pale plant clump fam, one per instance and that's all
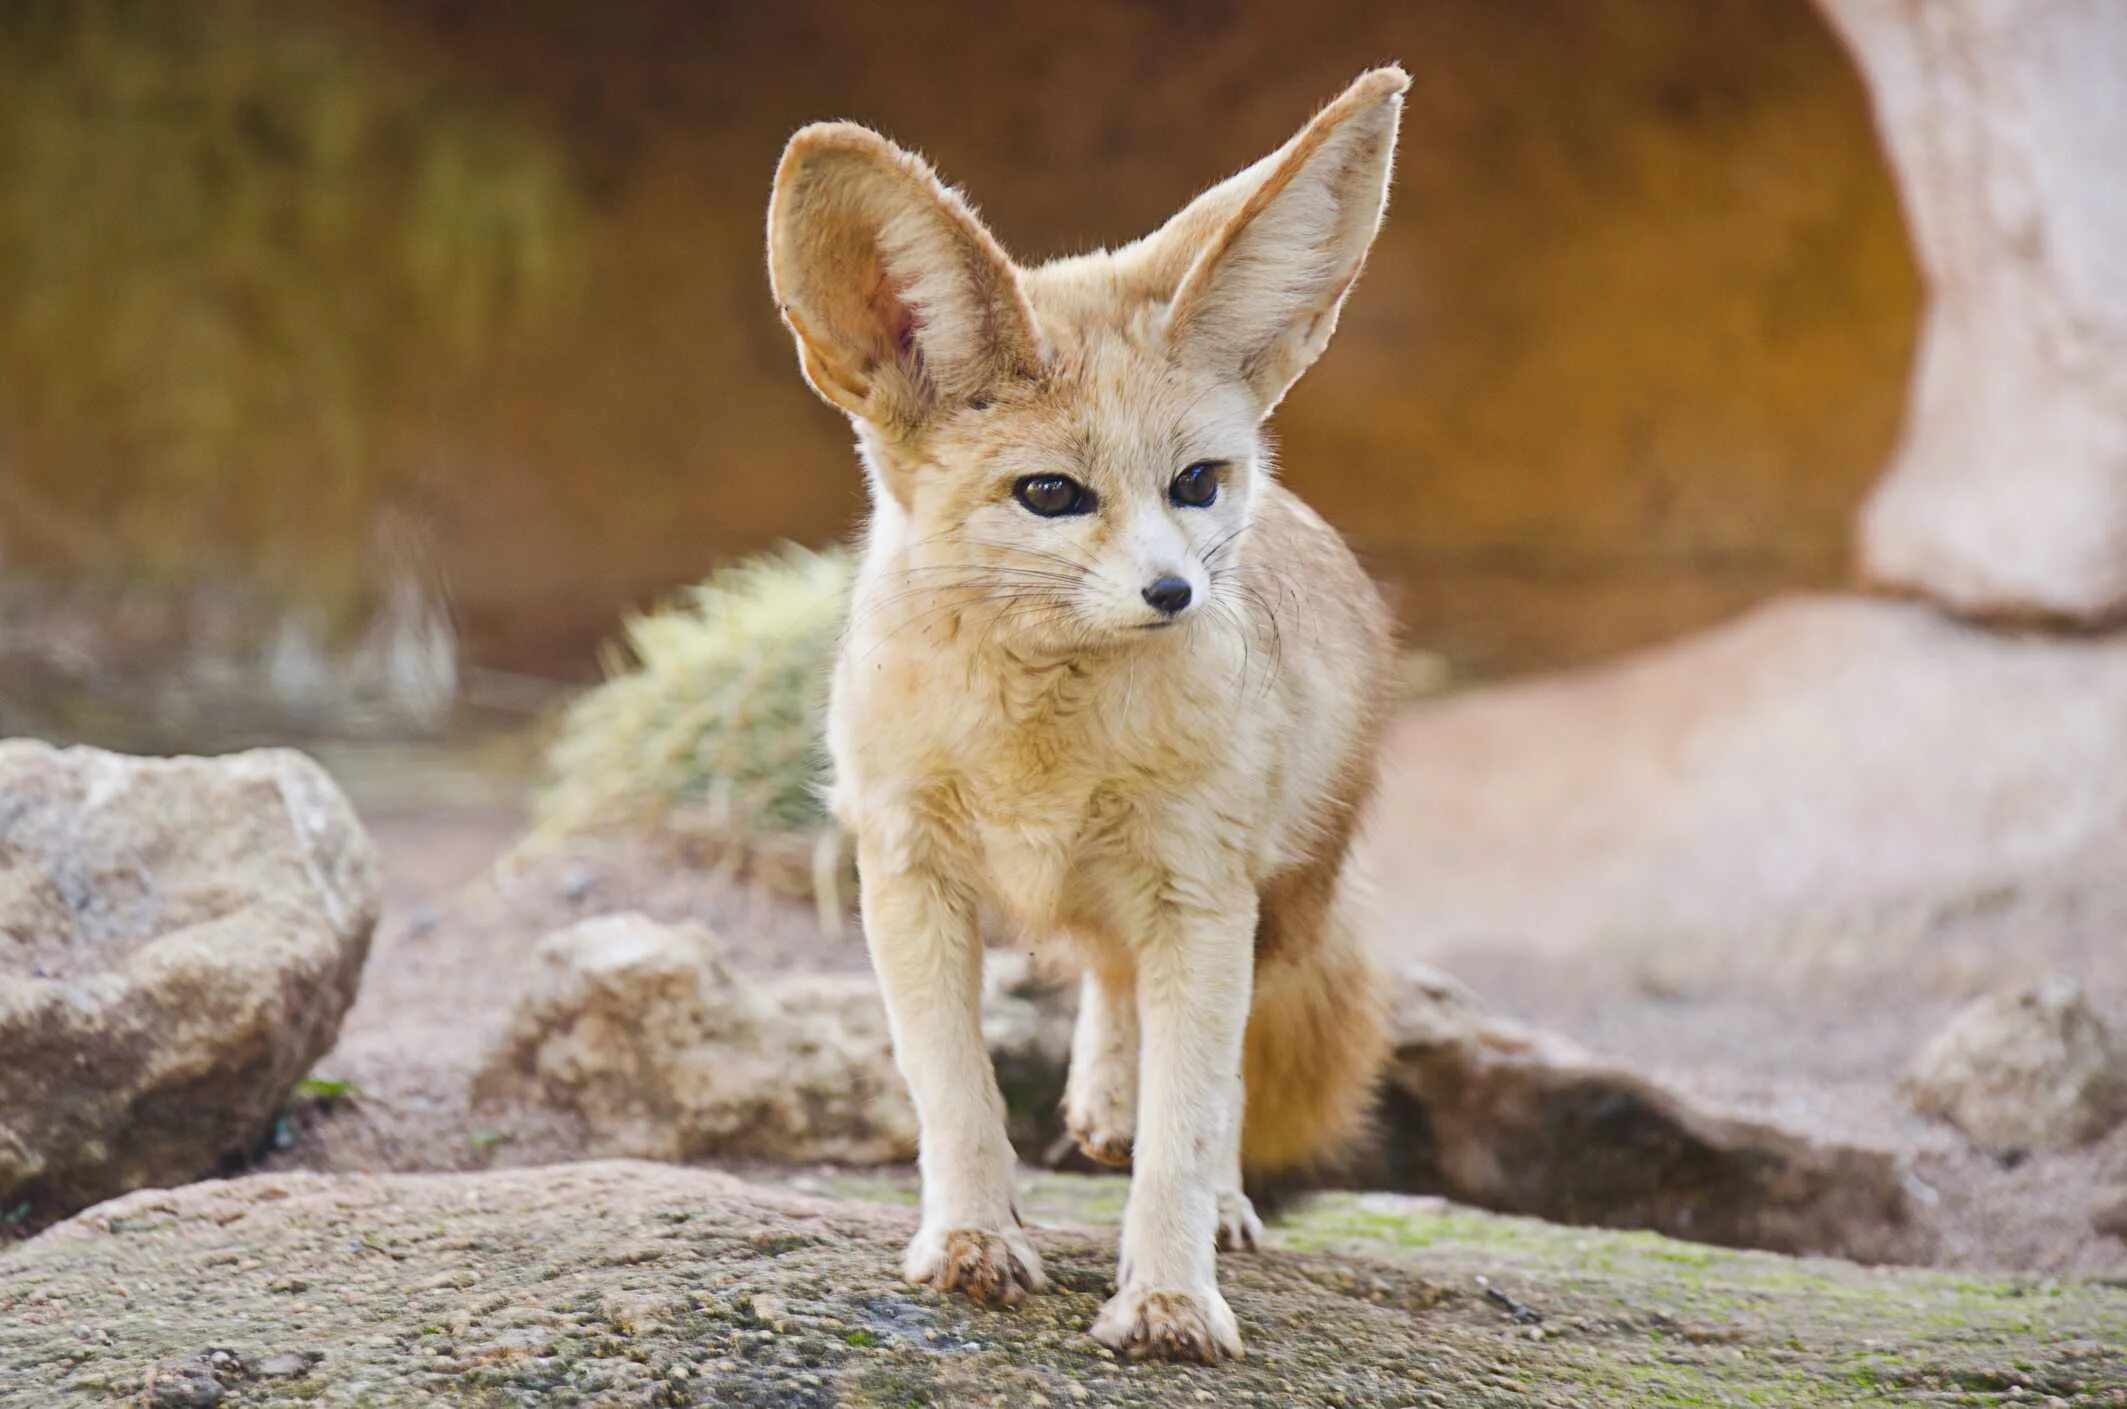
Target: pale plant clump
(709, 727)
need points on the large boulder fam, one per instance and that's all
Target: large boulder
(178, 941)
(1827, 782)
(641, 1285)
(2004, 125)
(666, 1052)
(2033, 1068)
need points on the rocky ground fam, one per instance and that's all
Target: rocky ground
(1663, 1036)
(1769, 863)
(453, 959)
(1811, 1028)
(645, 1284)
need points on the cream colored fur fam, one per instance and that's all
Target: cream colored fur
(1170, 809)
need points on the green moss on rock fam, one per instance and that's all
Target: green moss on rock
(624, 1283)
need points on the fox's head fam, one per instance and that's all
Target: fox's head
(1078, 445)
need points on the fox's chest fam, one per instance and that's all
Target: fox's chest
(1082, 860)
(1059, 799)
(1045, 825)
(1021, 751)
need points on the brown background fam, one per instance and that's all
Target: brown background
(1631, 350)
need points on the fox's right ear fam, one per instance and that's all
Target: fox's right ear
(1255, 271)
(900, 300)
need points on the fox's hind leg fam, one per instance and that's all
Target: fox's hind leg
(1100, 1095)
(1239, 1228)
(1100, 1098)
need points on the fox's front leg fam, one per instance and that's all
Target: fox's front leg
(928, 954)
(1100, 1095)
(1192, 990)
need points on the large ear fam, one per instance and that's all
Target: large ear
(1274, 250)
(900, 300)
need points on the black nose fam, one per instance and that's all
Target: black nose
(1169, 594)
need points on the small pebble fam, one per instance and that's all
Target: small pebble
(189, 1384)
(288, 1365)
(577, 883)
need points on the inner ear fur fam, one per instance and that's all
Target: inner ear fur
(900, 300)
(1262, 262)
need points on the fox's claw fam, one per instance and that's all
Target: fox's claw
(1239, 1228)
(1108, 1147)
(1100, 1109)
(1169, 1325)
(995, 1267)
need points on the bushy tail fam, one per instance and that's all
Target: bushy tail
(1317, 1029)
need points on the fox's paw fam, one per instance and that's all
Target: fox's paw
(993, 1266)
(1099, 1113)
(1142, 1324)
(1239, 1228)
(1102, 1144)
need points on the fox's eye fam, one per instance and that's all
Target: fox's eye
(1053, 496)
(1197, 486)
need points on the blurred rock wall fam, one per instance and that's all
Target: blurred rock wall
(1631, 352)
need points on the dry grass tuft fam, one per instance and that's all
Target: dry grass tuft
(709, 726)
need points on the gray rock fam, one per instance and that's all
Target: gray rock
(666, 1052)
(646, 1032)
(287, 1365)
(1490, 1112)
(185, 1384)
(178, 941)
(2034, 1068)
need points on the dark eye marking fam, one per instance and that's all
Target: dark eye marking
(1053, 496)
(1196, 487)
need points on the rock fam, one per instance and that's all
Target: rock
(645, 1031)
(287, 1364)
(523, 1283)
(2035, 1068)
(1492, 1113)
(178, 941)
(2008, 496)
(1769, 798)
(185, 1384)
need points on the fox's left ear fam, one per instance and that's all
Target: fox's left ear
(901, 302)
(1261, 297)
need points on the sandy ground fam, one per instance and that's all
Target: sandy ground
(445, 969)
(1817, 1039)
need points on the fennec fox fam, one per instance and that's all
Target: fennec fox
(1106, 679)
